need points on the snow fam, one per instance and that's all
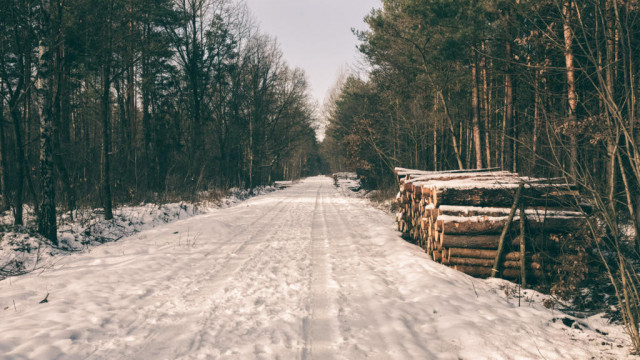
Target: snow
(307, 272)
(21, 251)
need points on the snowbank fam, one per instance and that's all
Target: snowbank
(22, 250)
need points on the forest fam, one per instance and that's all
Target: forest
(543, 88)
(107, 102)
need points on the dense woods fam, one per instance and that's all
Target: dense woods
(539, 87)
(112, 102)
(119, 101)
(543, 88)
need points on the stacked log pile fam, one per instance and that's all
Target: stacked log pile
(462, 219)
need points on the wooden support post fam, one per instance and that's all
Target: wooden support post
(505, 230)
(523, 271)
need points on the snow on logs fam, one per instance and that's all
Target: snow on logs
(459, 217)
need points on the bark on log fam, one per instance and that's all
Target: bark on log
(510, 264)
(437, 256)
(504, 176)
(404, 172)
(506, 273)
(490, 242)
(495, 225)
(469, 242)
(480, 254)
(470, 226)
(543, 195)
(468, 211)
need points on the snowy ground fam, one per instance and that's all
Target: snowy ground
(22, 251)
(305, 273)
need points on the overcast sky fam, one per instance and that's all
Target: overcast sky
(315, 35)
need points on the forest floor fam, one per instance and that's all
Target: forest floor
(312, 271)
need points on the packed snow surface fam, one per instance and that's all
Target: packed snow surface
(303, 273)
(22, 252)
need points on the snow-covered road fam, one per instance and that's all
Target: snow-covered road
(303, 273)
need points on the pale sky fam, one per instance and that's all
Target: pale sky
(315, 35)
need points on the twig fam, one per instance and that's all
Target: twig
(474, 288)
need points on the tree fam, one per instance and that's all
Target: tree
(48, 31)
(142, 101)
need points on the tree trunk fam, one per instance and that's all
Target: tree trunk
(194, 78)
(106, 123)
(145, 89)
(507, 126)
(572, 95)
(18, 198)
(612, 140)
(536, 120)
(475, 110)
(486, 109)
(45, 86)
(4, 169)
(452, 129)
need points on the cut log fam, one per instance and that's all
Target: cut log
(510, 264)
(404, 172)
(469, 211)
(469, 242)
(506, 273)
(480, 254)
(491, 195)
(437, 256)
(494, 225)
(469, 226)
(457, 216)
(479, 177)
(490, 242)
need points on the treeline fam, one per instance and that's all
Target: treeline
(539, 87)
(133, 100)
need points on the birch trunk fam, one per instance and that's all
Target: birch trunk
(572, 95)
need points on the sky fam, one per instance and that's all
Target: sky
(315, 35)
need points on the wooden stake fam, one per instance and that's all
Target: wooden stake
(523, 271)
(496, 263)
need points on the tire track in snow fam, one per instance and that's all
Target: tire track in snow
(190, 294)
(234, 288)
(375, 289)
(320, 328)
